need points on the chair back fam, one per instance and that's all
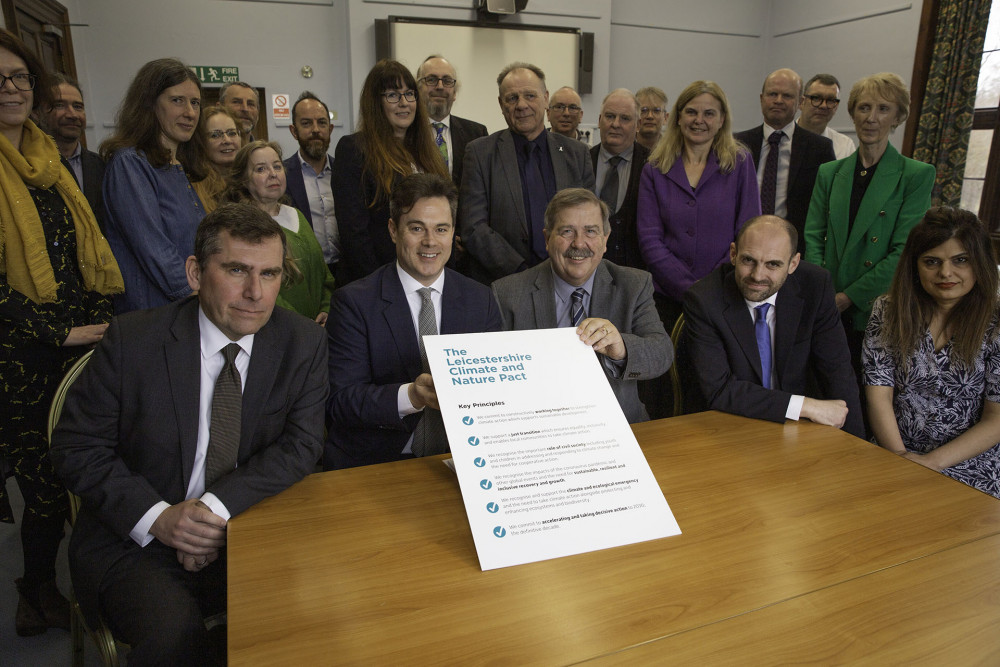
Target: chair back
(675, 374)
(56, 411)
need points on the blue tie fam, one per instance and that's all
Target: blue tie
(576, 311)
(763, 335)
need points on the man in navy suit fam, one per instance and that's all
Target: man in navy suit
(383, 406)
(799, 155)
(763, 335)
(160, 463)
(510, 176)
(308, 174)
(66, 121)
(438, 84)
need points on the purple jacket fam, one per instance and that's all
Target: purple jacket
(685, 234)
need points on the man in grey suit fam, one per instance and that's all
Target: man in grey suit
(186, 415)
(510, 176)
(611, 306)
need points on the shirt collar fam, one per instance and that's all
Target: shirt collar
(788, 130)
(626, 154)
(411, 284)
(77, 153)
(773, 299)
(304, 164)
(446, 121)
(564, 290)
(213, 340)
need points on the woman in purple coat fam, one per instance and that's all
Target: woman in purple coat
(696, 191)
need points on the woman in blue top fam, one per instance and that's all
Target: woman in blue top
(153, 157)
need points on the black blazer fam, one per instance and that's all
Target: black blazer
(295, 186)
(811, 358)
(93, 180)
(809, 151)
(623, 244)
(462, 132)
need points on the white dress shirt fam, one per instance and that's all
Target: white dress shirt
(795, 402)
(784, 162)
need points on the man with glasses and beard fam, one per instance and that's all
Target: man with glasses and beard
(308, 172)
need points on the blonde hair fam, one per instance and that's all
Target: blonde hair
(889, 87)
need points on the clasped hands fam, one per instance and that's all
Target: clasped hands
(194, 530)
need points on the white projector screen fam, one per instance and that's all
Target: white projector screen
(479, 53)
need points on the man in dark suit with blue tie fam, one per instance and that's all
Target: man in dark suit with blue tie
(383, 406)
(763, 335)
(186, 415)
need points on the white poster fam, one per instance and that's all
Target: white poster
(546, 461)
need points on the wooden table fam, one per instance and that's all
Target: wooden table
(799, 543)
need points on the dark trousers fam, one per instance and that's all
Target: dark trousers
(158, 608)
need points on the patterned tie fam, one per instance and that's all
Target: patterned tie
(224, 427)
(537, 198)
(576, 311)
(609, 191)
(769, 184)
(429, 436)
(441, 143)
(763, 335)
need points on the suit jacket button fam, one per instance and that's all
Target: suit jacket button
(882, 213)
(874, 239)
(824, 238)
(868, 262)
(633, 374)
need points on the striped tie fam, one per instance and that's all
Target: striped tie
(576, 311)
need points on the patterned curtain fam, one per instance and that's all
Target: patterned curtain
(950, 98)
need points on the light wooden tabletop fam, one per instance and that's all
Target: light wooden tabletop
(787, 529)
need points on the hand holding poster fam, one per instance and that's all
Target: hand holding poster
(546, 461)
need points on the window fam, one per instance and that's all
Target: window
(981, 181)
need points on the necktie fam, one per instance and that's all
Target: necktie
(769, 184)
(441, 143)
(576, 311)
(537, 199)
(763, 335)
(429, 437)
(224, 426)
(609, 190)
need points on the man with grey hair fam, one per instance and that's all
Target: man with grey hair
(787, 156)
(565, 112)
(438, 84)
(611, 306)
(653, 115)
(618, 162)
(241, 98)
(820, 100)
(510, 176)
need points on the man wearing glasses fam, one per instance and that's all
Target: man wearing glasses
(653, 115)
(819, 104)
(565, 112)
(438, 84)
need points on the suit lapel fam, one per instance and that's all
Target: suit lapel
(799, 150)
(602, 298)
(507, 162)
(840, 205)
(453, 308)
(884, 183)
(788, 312)
(183, 359)
(559, 157)
(265, 361)
(543, 300)
(740, 322)
(399, 321)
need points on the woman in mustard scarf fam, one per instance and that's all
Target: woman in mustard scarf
(55, 272)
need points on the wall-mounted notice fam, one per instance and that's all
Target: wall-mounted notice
(546, 461)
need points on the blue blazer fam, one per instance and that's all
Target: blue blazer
(295, 187)
(374, 351)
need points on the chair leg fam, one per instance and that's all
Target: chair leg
(77, 631)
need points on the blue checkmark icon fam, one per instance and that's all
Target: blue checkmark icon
(492, 508)
(474, 441)
(499, 531)
(468, 421)
(486, 484)
(480, 461)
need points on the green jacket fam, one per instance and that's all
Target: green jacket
(863, 262)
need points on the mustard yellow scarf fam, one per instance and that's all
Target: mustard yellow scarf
(23, 253)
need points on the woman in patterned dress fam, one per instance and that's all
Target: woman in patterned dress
(55, 270)
(931, 353)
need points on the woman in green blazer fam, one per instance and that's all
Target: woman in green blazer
(864, 206)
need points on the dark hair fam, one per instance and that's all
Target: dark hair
(236, 183)
(136, 125)
(42, 93)
(793, 234)
(241, 221)
(385, 157)
(909, 308)
(56, 79)
(411, 189)
(570, 198)
(823, 79)
(308, 95)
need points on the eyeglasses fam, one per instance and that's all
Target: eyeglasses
(818, 101)
(20, 81)
(432, 81)
(563, 108)
(392, 96)
(645, 111)
(218, 134)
